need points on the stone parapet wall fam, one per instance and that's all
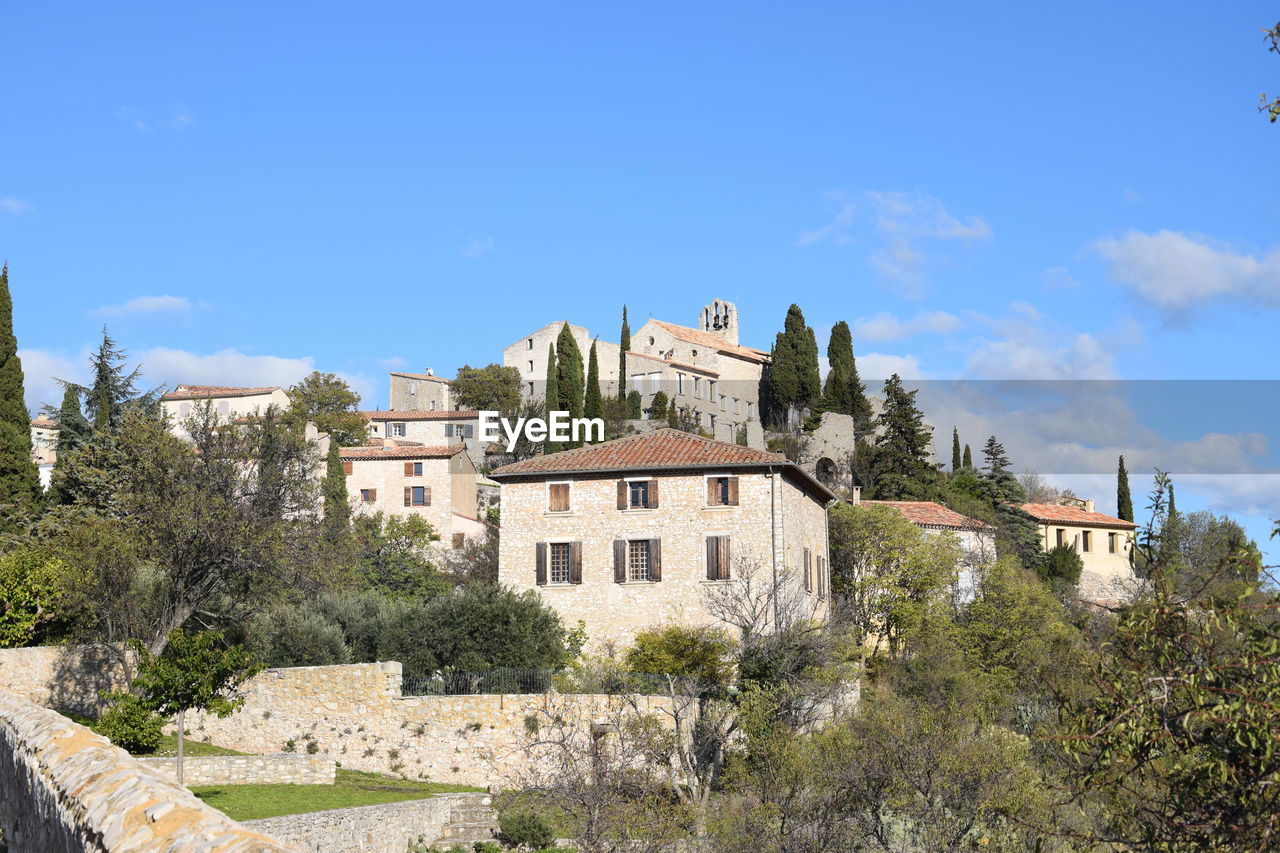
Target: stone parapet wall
(67, 790)
(249, 769)
(386, 828)
(66, 678)
(355, 714)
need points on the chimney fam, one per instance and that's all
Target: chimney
(388, 444)
(430, 372)
(1088, 505)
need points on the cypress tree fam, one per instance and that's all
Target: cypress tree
(1171, 534)
(337, 511)
(624, 346)
(793, 372)
(1124, 501)
(570, 382)
(968, 459)
(593, 404)
(955, 450)
(19, 476)
(552, 395)
(844, 391)
(73, 429)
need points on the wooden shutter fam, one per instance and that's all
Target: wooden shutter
(713, 491)
(373, 495)
(575, 562)
(733, 491)
(426, 496)
(723, 557)
(346, 467)
(408, 469)
(655, 559)
(559, 494)
(408, 495)
(713, 555)
(540, 567)
(653, 495)
(822, 577)
(808, 572)
(619, 560)
(459, 539)
(622, 494)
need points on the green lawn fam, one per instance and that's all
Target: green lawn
(169, 747)
(350, 788)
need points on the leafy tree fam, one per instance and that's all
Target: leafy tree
(844, 391)
(659, 406)
(1061, 569)
(1124, 501)
(701, 655)
(552, 393)
(34, 596)
(19, 478)
(570, 382)
(1216, 556)
(624, 347)
(327, 400)
(635, 405)
(195, 673)
(337, 509)
(73, 428)
(956, 463)
(902, 468)
(967, 462)
(1271, 106)
(794, 382)
(492, 388)
(393, 556)
(593, 405)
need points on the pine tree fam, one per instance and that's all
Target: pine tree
(19, 477)
(901, 460)
(73, 429)
(995, 472)
(570, 382)
(112, 388)
(955, 450)
(624, 347)
(337, 511)
(1124, 501)
(967, 462)
(593, 403)
(552, 394)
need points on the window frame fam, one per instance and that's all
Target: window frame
(632, 483)
(569, 508)
(635, 546)
(397, 429)
(567, 548)
(368, 496)
(418, 497)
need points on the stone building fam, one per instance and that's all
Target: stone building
(44, 447)
(977, 539)
(436, 482)
(228, 402)
(703, 370)
(421, 392)
(640, 531)
(441, 426)
(1104, 543)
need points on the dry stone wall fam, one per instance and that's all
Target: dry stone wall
(64, 789)
(355, 714)
(249, 769)
(66, 678)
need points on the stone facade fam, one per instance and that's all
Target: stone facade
(65, 678)
(779, 517)
(356, 714)
(437, 427)
(437, 483)
(442, 821)
(66, 790)
(248, 769)
(420, 392)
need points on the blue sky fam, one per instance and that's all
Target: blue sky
(246, 191)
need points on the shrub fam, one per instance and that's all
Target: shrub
(700, 654)
(526, 829)
(487, 847)
(130, 724)
(658, 406)
(291, 636)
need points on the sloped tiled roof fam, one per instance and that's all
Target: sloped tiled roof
(1059, 514)
(401, 451)
(412, 415)
(930, 514)
(694, 367)
(43, 423)
(660, 448)
(430, 377)
(203, 392)
(713, 341)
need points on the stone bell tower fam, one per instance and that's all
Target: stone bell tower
(721, 318)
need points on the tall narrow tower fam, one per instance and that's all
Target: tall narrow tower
(720, 317)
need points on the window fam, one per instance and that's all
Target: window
(459, 539)
(397, 430)
(558, 495)
(722, 491)
(697, 386)
(637, 380)
(695, 353)
(368, 495)
(1111, 543)
(639, 494)
(529, 343)
(711, 392)
(650, 340)
(433, 405)
(559, 562)
(346, 467)
(737, 408)
(723, 406)
(531, 389)
(1086, 541)
(824, 578)
(413, 469)
(184, 410)
(638, 560)
(750, 408)
(717, 558)
(459, 430)
(808, 570)
(413, 389)
(1062, 536)
(679, 383)
(531, 366)
(417, 496)
(224, 407)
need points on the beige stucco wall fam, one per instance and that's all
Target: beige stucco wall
(529, 356)
(614, 612)
(1105, 576)
(414, 393)
(235, 407)
(452, 482)
(44, 445)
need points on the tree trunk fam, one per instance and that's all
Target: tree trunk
(181, 719)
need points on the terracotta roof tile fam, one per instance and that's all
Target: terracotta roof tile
(204, 392)
(412, 415)
(660, 448)
(713, 341)
(433, 451)
(428, 376)
(930, 514)
(1059, 514)
(43, 423)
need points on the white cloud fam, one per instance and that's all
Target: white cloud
(837, 231)
(40, 367)
(176, 119)
(164, 366)
(148, 305)
(1057, 278)
(887, 327)
(875, 366)
(14, 206)
(1174, 271)
(920, 215)
(1023, 346)
(395, 362)
(477, 247)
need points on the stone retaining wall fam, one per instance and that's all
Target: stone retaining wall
(385, 828)
(65, 678)
(355, 714)
(64, 789)
(249, 769)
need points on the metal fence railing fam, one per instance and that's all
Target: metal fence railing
(514, 680)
